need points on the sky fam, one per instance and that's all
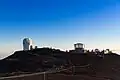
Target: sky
(59, 24)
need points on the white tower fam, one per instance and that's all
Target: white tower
(27, 43)
(79, 46)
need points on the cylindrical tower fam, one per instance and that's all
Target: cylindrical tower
(79, 46)
(27, 42)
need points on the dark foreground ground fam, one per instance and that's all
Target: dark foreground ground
(29, 65)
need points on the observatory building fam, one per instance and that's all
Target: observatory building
(27, 44)
(79, 48)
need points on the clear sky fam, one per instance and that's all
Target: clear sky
(59, 23)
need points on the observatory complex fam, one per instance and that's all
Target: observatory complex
(28, 45)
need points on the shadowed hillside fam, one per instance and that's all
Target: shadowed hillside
(43, 59)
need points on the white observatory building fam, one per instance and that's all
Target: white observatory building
(27, 44)
(79, 48)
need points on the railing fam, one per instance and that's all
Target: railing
(43, 75)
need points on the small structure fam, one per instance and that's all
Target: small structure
(31, 47)
(36, 47)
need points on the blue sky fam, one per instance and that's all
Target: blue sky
(59, 23)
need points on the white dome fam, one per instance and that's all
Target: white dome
(27, 42)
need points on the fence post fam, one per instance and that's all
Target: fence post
(44, 76)
(73, 70)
